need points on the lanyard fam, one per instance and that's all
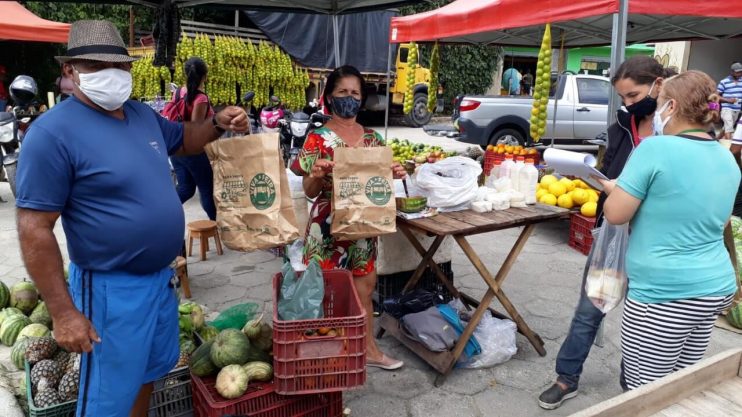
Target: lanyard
(634, 132)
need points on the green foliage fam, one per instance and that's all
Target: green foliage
(463, 68)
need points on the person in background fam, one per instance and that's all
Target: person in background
(344, 95)
(730, 90)
(3, 89)
(195, 171)
(679, 271)
(638, 81)
(527, 82)
(511, 81)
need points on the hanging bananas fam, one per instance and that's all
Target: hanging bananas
(541, 88)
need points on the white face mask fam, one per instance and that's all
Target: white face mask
(108, 88)
(658, 125)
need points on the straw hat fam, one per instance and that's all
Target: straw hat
(95, 40)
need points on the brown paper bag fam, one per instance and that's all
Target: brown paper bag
(363, 193)
(251, 192)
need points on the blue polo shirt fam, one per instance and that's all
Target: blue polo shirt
(110, 180)
(731, 88)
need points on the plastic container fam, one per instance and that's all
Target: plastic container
(172, 395)
(494, 174)
(58, 410)
(305, 364)
(506, 167)
(261, 400)
(528, 182)
(581, 232)
(515, 172)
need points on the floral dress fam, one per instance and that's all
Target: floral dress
(358, 256)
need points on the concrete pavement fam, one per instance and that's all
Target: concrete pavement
(543, 285)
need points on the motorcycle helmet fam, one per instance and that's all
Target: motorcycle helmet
(23, 90)
(269, 117)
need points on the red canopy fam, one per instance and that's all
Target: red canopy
(17, 23)
(584, 22)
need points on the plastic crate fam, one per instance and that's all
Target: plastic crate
(261, 400)
(311, 364)
(581, 232)
(393, 284)
(59, 410)
(172, 395)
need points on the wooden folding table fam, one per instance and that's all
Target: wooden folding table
(461, 224)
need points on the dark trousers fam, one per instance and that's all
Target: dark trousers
(195, 172)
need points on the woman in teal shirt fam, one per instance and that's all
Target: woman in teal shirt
(677, 190)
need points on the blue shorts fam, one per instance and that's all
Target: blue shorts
(136, 317)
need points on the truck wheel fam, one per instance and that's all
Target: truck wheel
(419, 116)
(509, 136)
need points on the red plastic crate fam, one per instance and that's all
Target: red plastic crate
(311, 364)
(581, 232)
(261, 400)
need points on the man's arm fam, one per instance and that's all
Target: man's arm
(736, 152)
(44, 264)
(198, 134)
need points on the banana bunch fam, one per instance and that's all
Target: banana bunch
(409, 95)
(541, 87)
(232, 64)
(435, 61)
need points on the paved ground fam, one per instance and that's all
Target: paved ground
(544, 286)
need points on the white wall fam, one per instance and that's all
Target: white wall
(715, 57)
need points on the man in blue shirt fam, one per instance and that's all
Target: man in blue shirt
(100, 162)
(730, 90)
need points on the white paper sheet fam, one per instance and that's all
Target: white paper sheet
(576, 164)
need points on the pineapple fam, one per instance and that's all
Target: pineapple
(73, 364)
(40, 349)
(46, 398)
(62, 357)
(183, 359)
(46, 369)
(69, 386)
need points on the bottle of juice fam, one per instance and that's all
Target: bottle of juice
(528, 181)
(515, 172)
(506, 167)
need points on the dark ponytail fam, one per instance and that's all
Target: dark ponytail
(195, 70)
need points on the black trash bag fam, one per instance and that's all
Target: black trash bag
(414, 301)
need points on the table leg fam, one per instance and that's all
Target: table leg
(494, 283)
(427, 260)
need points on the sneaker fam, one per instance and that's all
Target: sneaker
(553, 397)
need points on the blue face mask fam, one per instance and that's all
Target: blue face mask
(345, 107)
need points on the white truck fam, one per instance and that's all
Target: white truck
(581, 114)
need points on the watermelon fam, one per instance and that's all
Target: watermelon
(230, 347)
(231, 382)
(200, 363)
(208, 333)
(24, 296)
(6, 312)
(34, 330)
(18, 352)
(4, 295)
(734, 316)
(11, 327)
(40, 315)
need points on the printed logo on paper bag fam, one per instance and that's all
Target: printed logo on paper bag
(378, 190)
(233, 188)
(262, 192)
(348, 187)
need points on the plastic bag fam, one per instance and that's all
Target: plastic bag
(414, 301)
(296, 255)
(606, 281)
(450, 182)
(497, 339)
(235, 317)
(301, 298)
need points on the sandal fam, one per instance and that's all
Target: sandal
(385, 363)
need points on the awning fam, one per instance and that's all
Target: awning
(17, 23)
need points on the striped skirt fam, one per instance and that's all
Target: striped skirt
(660, 338)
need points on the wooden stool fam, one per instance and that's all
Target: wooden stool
(181, 271)
(203, 230)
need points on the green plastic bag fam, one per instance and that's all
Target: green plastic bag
(235, 317)
(301, 298)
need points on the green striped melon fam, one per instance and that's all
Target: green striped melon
(41, 315)
(231, 347)
(18, 352)
(7, 312)
(11, 327)
(24, 296)
(4, 295)
(734, 316)
(34, 330)
(200, 363)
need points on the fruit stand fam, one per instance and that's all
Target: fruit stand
(461, 224)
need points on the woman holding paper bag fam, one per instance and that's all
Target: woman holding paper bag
(678, 203)
(344, 95)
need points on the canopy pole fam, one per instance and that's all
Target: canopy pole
(336, 36)
(388, 97)
(618, 52)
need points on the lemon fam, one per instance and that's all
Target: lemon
(588, 209)
(592, 196)
(539, 193)
(568, 183)
(557, 189)
(580, 196)
(548, 180)
(549, 199)
(565, 201)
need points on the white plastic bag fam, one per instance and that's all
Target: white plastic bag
(296, 255)
(495, 336)
(606, 281)
(449, 183)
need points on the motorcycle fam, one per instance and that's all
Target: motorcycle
(13, 124)
(271, 114)
(293, 131)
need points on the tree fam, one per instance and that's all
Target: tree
(465, 69)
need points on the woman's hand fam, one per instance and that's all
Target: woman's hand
(398, 171)
(321, 168)
(608, 185)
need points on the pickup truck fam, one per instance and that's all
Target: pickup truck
(581, 114)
